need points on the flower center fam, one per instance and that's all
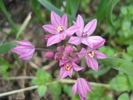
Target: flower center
(60, 29)
(91, 54)
(84, 34)
(67, 67)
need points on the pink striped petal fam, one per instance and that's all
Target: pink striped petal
(62, 36)
(99, 55)
(87, 42)
(55, 19)
(90, 27)
(70, 31)
(80, 22)
(63, 73)
(91, 62)
(24, 42)
(64, 21)
(53, 40)
(50, 28)
(82, 53)
(74, 89)
(75, 40)
(95, 41)
(76, 67)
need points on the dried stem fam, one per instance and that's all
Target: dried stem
(62, 81)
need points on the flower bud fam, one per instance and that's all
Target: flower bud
(69, 49)
(49, 54)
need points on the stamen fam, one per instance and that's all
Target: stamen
(91, 54)
(60, 29)
(68, 67)
(84, 34)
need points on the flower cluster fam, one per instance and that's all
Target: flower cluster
(68, 55)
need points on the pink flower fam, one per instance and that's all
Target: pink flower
(67, 69)
(25, 50)
(83, 34)
(49, 54)
(81, 87)
(91, 55)
(69, 49)
(59, 29)
(47, 37)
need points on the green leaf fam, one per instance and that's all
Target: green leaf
(106, 98)
(72, 6)
(3, 8)
(120, 83)
(119, 64)
(51, 7)
(37, 9)
(67, 89)
(105, 9)
(42, 77)
(41, 90)
(7, 46)
(124, 96)
(55, 88)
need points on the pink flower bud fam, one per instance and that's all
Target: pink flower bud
(60, 48)
(47, 37)
(81, 87)
(75, 59)
(25, 50)
(69, 49)
(49, 54)
(57, 56)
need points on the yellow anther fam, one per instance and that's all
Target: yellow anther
(91, 54)
(68, 67)
(59, 29)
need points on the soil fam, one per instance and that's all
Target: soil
(19, 9)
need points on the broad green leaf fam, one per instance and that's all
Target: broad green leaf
(119, 64)
(120, 83)
(124, 96)
(41, 90)
(97, 93)
(105, 9)
(37, 9)
(7, 46)
(99, 72)
(67, 89)
(72, 6)
(106, 98)
(42, 77)
(55, 88)
(51, 7)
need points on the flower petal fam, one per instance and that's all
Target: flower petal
(26, 57)
(86, 42)
(95, 41)
(74, 89)
(69, 72)
(25, 42)
(99, 55)
(91, 62)
(70, 31)
(91, 26)
(53, 40)
(55, 19)
(63, 73)
(64, 21)
(76, 67)
(50, 28)
(75, 40)
(80, 22)
(62, 36)
(82, 53)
